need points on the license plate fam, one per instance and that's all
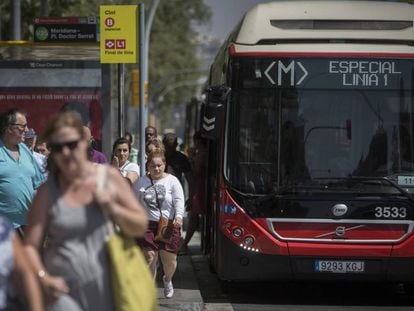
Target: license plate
(335, 266)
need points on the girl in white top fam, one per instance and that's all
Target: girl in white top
(161, 192)
(120, 153)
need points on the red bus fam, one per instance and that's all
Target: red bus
(310, 112)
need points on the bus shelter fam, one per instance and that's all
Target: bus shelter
(43, 79)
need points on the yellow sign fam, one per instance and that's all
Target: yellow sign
(119, 33)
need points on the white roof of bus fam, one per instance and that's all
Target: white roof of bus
(256, 24)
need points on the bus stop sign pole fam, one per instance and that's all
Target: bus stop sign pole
(141, 65)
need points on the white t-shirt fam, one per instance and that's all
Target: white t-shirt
(41, 161)
(129, 167)
(170, 196)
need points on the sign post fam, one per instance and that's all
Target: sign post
(143, 63)
(121, 35)
(118, 45)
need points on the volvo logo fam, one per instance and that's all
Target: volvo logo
(339, 210)
(340, 231)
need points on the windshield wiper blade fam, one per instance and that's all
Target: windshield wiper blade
(384, 179)
(348, 184)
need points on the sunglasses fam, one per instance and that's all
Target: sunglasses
(58, 147)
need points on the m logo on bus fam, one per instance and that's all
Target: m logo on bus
(294, 71)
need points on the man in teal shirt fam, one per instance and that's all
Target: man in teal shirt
(20, 175)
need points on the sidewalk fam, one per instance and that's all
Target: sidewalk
(192, 272)
(187, 295)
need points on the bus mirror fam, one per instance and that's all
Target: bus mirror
(213, 112)
(217, 95)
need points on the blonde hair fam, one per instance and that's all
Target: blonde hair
(156, 154)
(63, 119)
(159, 146)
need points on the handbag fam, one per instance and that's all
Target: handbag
(132, 282)
(165, 226)
(164, 230)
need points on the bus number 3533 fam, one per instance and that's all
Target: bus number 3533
(390, 212)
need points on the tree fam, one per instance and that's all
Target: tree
(173, 52)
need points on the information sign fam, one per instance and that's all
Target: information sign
(328, 73)
(66, 29)
(119, 33)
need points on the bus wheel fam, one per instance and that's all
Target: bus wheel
(225, 286)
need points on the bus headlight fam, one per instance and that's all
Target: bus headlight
(237, 232)
(249, 240)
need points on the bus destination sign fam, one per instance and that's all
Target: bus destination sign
(328, 73)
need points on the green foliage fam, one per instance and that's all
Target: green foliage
(173, 53)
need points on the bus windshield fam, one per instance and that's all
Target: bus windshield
(301, 137)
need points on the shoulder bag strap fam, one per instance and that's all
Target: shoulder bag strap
(156, 194)
(156, 198)
(101, 179)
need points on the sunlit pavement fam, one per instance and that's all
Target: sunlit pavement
(186, 291)
(187, 295)
(196, 288)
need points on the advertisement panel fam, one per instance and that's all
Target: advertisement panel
(43, 88)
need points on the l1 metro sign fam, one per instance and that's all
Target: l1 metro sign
(119, 33)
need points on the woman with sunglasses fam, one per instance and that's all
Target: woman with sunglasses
(120, 154)
(75, 273)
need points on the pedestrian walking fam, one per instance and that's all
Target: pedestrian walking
(20, 175)
(162, 195)
(177, 162)
(133, 155)
(150, 133)
(75, 272)
(41, 147)
(152, 145)
(197, 202)
(30, 139)
(15, 266)
(93, 154)
(120, 154)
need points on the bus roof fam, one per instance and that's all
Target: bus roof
(267, 23)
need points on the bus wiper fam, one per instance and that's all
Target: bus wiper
(365, 179)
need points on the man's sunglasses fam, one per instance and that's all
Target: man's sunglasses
(58, 147)
(21, 127)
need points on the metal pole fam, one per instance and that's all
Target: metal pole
(43, 8)
(15, 4)
(141, 65)
(121, 103)
(0, 24)
(148, 25)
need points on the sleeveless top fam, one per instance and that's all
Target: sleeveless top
(76, 251)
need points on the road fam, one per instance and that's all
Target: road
(197, 288)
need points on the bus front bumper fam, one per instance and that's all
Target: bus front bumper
(238, 264)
